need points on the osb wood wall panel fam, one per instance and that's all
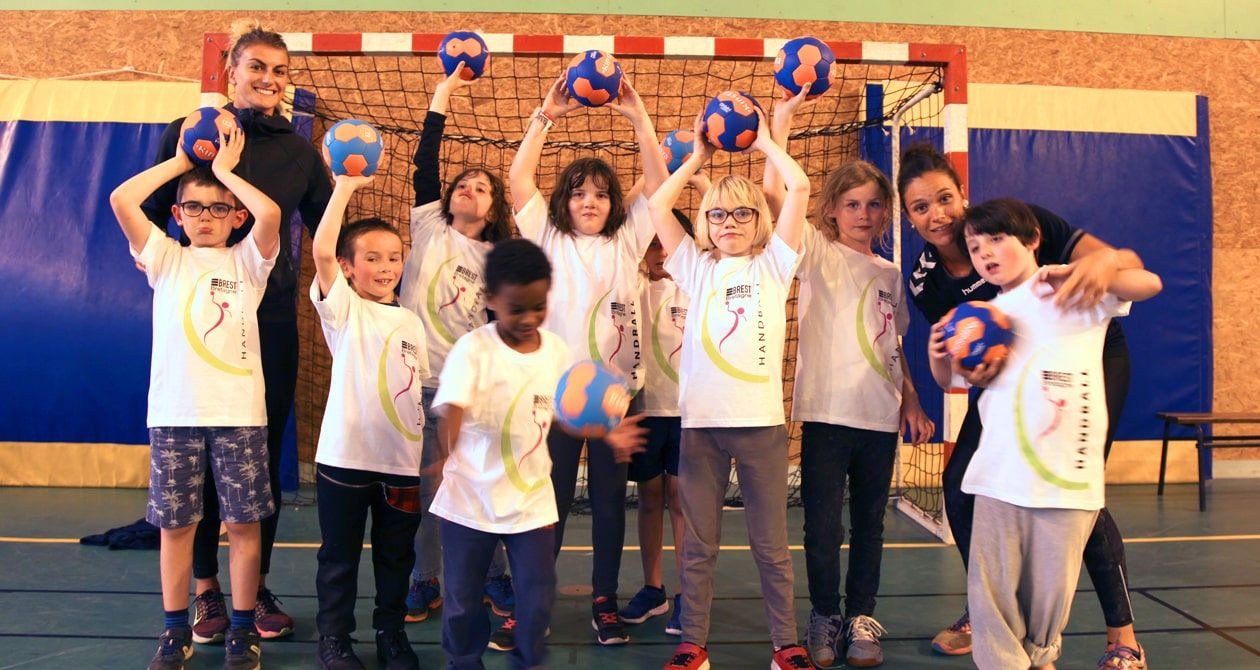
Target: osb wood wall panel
(1223, 70)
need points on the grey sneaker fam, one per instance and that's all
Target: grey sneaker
(862, 633)
(821, 636)
(1120, 657)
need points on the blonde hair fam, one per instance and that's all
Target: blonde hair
(248, 32)
(735, 192)
(846, 178)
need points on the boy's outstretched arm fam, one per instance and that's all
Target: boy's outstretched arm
(266, 230)
(324, 246)
(426, 178)
(631, 106)
(126, 199)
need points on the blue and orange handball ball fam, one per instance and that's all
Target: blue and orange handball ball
(977, 332)
(591, 399)
(593, 78)
(804, 60)
(730, 120)
(352, 147)
(199, 136)
(677, 147)
(464, 47)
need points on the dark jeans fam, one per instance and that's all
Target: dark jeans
(606, 486)
(466, 554)
(830, 455)
(345, 499)
(279, 353)
(1104, 552)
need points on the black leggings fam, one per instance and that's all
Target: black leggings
(1104, 551)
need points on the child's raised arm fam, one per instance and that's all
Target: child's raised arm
(780, 130)
(790, 226)
(426, 179)
(631, 106)
(661, 204)
(525, 163)
(324, 246)
(266, 230)
(126, 199)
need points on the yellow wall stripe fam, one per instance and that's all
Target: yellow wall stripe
(97, 101)
(74, 464)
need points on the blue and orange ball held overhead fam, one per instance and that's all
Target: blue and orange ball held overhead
(591, 399)
(199, 135)
(352, 147)
(677, 147)
(804, 60)
(730, 120)
(977, 332)
(464, 47)
(593, 78)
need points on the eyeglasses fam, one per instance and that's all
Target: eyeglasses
(740, 214)
(217, 209)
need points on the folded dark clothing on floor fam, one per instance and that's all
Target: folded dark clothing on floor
(139, 535)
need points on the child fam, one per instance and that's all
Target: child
(1038, 472)
(595, 245)
(206, 383)
(664, 319)
(737, 274)
(368, 458)
(496, 406)
(443, 282)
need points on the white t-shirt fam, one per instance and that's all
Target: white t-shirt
(732, 358)
(594, 285)
(497, 478)
(848, 363)
(1045, 415)
(664, 308)
(206, 368)
(443, 282)
(373, 418)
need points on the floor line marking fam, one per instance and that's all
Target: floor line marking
(1206, 626)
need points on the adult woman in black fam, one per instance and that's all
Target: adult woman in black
(287, 168)
(943, 277)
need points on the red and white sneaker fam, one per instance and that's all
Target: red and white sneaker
(791, 657)
(688, 656)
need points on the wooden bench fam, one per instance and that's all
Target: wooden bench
(1203, 442)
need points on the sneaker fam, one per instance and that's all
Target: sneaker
(244, 649)
(955, 640)
(174, 647)
(1120, 656)
(394, 651)
(688, 656)
(674, 627)
(270, 621)
(335, 653)
(499, 595)
(821, 637)
(421, 597)
(789, 657)
(504, 639)
(608, 628)
(210, 617)
(650, 601)
(862, 642)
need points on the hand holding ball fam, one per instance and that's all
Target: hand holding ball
(593, 78)
(591, 399)
(467, 48)
(977, 332)
(353, 148)
(730, 120)
(804, 60)
(199, 136)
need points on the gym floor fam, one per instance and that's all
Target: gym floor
(1194, 578)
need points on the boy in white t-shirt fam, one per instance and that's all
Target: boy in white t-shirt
(1038, 472)
(205, 383)
(495, 400)
(368, 457)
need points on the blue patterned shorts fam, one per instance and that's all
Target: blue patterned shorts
(238, 463)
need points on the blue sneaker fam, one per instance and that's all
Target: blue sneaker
(500, 596)
(674, 627)
(422, 597)
(650, 601)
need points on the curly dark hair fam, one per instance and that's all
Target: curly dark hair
(517, 262)
(498, 219)
(573, 176)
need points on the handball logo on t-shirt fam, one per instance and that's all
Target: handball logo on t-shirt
(540, 415)
(1064, 416)
(742, 325)
(404, 398)
(213, 329)
(535, 434)
(444, 297)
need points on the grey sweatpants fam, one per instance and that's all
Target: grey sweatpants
(704, 470)
(1024, 566)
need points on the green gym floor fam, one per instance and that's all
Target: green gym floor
(1195, 580)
